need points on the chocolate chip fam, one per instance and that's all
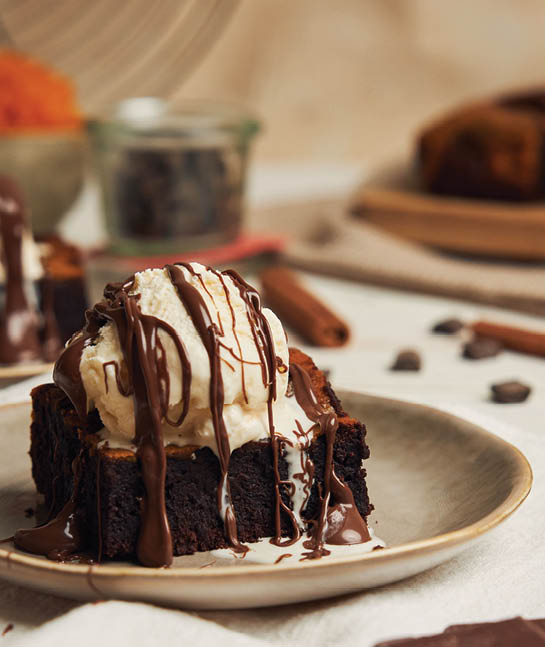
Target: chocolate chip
(406, 360)
(448, 326)
(508, 392)
(481, 348)
(29, 512)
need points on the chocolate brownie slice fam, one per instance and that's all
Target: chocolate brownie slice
(111, 487)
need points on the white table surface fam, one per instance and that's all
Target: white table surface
(501, 577)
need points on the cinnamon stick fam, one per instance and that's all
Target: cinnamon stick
(301, 310)
(518, 339)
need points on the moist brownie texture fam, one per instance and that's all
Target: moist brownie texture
(111, 487)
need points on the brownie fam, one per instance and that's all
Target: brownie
(111, 485)
(494, 149)
(64, 281)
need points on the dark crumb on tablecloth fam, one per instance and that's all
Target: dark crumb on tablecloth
(29, 512)
(481, 348)
(7, 629)
(448, 326)
(407, 360)
(510, 392)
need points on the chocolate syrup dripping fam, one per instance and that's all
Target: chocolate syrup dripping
(199, 278)
(154, 545)
(124, 390)
(235, 335)
(92, 585)
(208, 331)
(306, 476)
(262, 335)
(281, 557)
(19, 341)
(61, 536)
(66, 373)
(147, 377)
(340, 523)
(227, 363)
(252, 300)
(235, 356)
(52, 344)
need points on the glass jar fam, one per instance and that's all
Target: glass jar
(172, 178)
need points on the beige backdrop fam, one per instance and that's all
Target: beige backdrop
(333, 79)
(353, 79)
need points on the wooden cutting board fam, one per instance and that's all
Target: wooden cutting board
(392, 200)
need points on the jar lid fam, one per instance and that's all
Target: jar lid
(158, 121)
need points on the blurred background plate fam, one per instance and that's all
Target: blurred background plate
(18, 372)
(392, 200)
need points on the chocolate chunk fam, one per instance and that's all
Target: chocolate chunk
(507, 392)
(481, 348)
(516, 631)
(406, 360)
(448, 326)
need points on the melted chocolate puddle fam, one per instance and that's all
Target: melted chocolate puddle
(60, 537)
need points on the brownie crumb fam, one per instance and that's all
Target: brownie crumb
(481, 348)
(29, 512)
(407, 360)
(448, 326)
(7, 628)
(510, 392)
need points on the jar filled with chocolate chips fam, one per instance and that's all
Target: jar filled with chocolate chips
(172, 178)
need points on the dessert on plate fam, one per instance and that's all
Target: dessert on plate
(492, 149)
(179, 421)
(43, 287)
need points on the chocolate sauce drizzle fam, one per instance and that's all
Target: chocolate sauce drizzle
(146, 379)
(341, 523)
(262, 335)
(19, 340)
(20, 328)
(208, 332)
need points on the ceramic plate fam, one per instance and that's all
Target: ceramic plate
(17, 372)
(437, 482)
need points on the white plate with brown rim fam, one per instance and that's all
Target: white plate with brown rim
(438, 483)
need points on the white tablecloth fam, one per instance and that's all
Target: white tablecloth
(500, 577)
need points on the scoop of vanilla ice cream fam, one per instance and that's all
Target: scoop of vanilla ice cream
(245, 395)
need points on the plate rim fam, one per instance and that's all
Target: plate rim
(30, 369)
(517, 496)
